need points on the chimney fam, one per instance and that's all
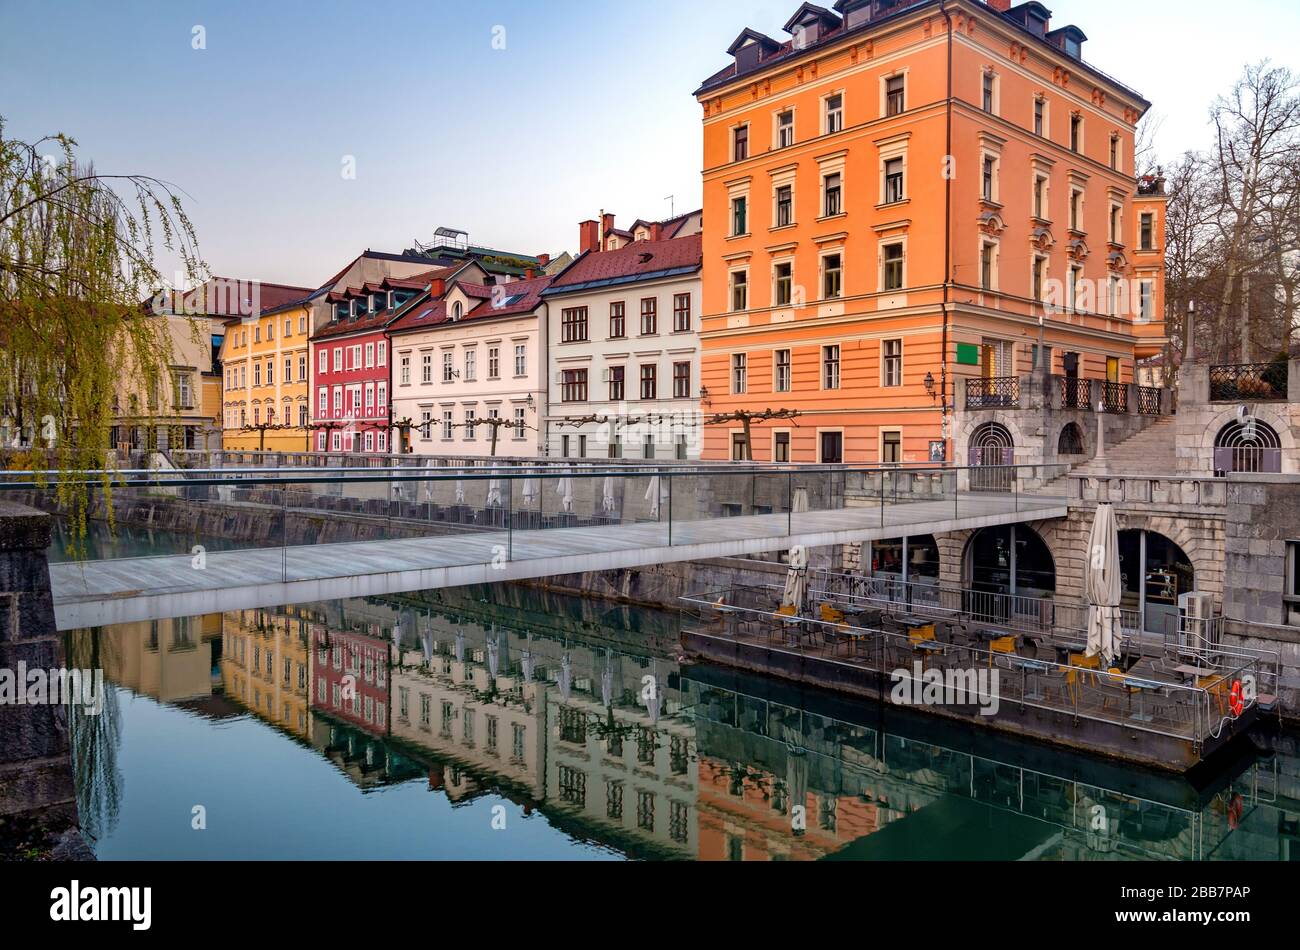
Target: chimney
(529, 274)
(1002, 6)
(543, 261)
(606, 225)
(588, 236)
(656, 231)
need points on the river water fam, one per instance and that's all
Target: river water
(508, 722)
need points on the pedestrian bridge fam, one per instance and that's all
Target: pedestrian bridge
(302, 536)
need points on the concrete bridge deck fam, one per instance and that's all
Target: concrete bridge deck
(103, 592)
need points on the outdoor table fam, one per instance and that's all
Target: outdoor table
(1141, 686)
(1026, 664)
(1192, 672)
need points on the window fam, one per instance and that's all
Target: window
(426, 368)
(184, 395)
(1114, 152)
(682, 380)
(471, 424)
(988, 178)
(494, 362)
(257, 374)
(270, 331)
(370, 447)
(1114, 224)
(338, 400)
(739, 216)
(381, 353)
(520, 422)
(302, 369)
(1040, 116)
(893, 180)
(649, 381)
(573, 385)
(832, 276)
(891, 447)
(784, 276)
(1146, 301)
(521, 359)
(681, 313)
(781, 383)
(785, 128)
(1076, 132)
(270, 373)
(323, 402)
(649, 316)
(891, 362)
(1040, 196)
(784, 206)
(322, 362)
(740, 290)
(1147, 232)
(738, 453)
(617, 390)
(370, 355)
(404, 371)
(1039, 276)
(573, 325)
(892, 267)
(832, 448)
(894, 95)
(338, 359)
(617, 321)
(781, 447)
(834, 113)
(448, 426)
(832, 192)
(1072, 286)
(426, 425)
(471, 365)
(831, 367)
(381, 398)
(448, 369)
(988, 273)
(1076, 209)
(987, 92)
(739, 372)
(1291, 599)
(740, 143)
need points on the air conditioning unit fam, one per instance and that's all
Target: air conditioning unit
(1197, 630)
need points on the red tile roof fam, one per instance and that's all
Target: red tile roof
(640, 259)
(517, 297)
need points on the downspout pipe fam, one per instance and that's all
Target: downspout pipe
(947, 239)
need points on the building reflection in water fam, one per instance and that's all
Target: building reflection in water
(634, 754)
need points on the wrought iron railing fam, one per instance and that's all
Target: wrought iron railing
(1114, 397)
(1075, 393)
(1148, 398)
(995, 392)
(1247, 458)
(1248, 382)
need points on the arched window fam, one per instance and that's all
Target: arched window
(457, 310)
(1247, 445)
(992, 445)
(1071, 440)
(1010, 573)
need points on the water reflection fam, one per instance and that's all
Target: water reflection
(576, 722)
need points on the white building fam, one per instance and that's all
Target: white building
(468, 365)
(624, 344)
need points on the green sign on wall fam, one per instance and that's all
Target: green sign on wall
(968, 354)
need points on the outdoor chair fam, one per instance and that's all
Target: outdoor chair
(1002, 646)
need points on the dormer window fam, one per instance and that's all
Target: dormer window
(340, 311)
(457, 310)
(1073, 47)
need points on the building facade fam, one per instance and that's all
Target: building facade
(468, 366)
(624, 346)
(908, 201)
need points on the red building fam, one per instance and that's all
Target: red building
(350, 678)
(350, 366)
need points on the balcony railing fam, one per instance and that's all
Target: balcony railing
(1148, 398)
(1075, 393)
(1114, 397)
(996, 392)
(1248, 382)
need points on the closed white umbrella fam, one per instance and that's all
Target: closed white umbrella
(656, 494)
(607, 680)
(526, 659)
(460, 492)
(494, 493)
(796, 580)
(799, 501)
(493, 655)
(530, 490)
(564, 488)
(1102, 585)
(607, 495)
(566, 676)
(426, 642)
(460, 645)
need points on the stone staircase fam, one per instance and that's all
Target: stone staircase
(1151, 452)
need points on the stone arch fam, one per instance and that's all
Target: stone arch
(1071, 440)
(1200, 539)
(1022, 440)
(1275, 416)
(1247, 446)
(1038, 574)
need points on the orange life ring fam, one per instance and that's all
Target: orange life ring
(1236, 699)
(1234, 812)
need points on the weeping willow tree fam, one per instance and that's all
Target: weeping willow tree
(79, 251)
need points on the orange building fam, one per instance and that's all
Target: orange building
(906, 195)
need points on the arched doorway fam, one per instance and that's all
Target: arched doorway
(1154, 571)
(991, 447)
(1009, 571)
(1247, 445)
(1070, 441)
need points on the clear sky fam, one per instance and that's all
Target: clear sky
(588, 106)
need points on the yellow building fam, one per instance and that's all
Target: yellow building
(265, 381)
